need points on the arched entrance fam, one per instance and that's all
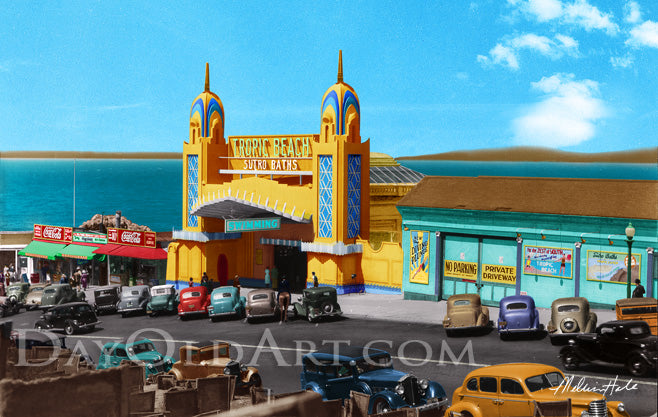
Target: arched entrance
(222, 269)
(292, 263)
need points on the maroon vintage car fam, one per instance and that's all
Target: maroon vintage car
(194, 301)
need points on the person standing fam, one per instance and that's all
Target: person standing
(315, 280)
(205, 282)
(268, 283)
(236, 282)
(191, 282)
(284, 298)
(83, 279)
(638, 292)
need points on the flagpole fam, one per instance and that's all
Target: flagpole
(73, 192)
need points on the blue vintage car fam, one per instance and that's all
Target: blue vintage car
(142, 350)
(226, 301)
(334, 373)
(518, 315)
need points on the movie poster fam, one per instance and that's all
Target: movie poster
(550, 262)
(419, 257)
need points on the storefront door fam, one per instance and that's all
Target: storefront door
(292, 263)
(222, 269)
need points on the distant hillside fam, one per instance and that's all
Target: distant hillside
(90, 155)
(537, 154)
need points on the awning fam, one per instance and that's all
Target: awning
(281, 242)
(113, 249)
(78, 251)
(44, 250)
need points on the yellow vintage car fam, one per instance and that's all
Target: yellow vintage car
(212, 359)
(515, 389)
(465, 312)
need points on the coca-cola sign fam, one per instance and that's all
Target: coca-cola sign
(131, 237)
(53, 233)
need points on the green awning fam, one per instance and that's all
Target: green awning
(81, 252)
(44, 250)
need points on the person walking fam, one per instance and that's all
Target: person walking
(638, 292)
(268, 282)
(236, 282)
(315, 280)
(284, 298)
(83, 279)
(205, 282)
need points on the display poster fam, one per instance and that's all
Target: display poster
(500, 274)
(550, 262)
(612, 266)
(131, 237)
(461, 269)
(419, 257)
(82, 237)
(56, 234)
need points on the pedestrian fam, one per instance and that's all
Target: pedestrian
(236, 282)
(205, 282)
(191, 282)
(638, 292)
(284, 298)
(268, 282)
(83, 279)
(63, 279)
(315, 280)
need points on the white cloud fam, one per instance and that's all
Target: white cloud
(632, 12)
(589, 17)
(507, 54)
(566, 115)
(544, 10)
(462, 76)
(622, 61)
(645, 34)
(502, 55)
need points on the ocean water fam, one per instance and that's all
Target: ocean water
(148, 192)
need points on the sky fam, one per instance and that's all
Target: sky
(431, 76)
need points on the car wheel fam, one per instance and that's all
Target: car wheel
(68, 328)
(214, 319)
(381, 406)
(327, 308)
(38, 326)
(153, 314)
(91, 328)
(123, 315)
(636, 365)
(450, 332)
(570, 360)
(308, 317)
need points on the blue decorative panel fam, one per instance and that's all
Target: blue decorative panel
(353, 195)
(213, 107)
(198, 107)
(325, 216)
(349, 100)
(192, 188)
(332, 101)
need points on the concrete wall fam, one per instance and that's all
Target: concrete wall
(382, 267)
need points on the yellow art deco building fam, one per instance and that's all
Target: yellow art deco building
(297, 203)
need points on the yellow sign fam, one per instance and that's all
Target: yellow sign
(271, 153)
(419, 257)
(499, 273)
(460, 269)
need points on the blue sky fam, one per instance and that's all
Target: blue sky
(439, 76)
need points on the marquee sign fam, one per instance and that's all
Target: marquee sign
(252, 225)
(270, 155)
(131, 237)
(83, 237)
(53, 233)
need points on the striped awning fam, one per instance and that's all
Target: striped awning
(281, 242)
(44, 250)
(76, 251)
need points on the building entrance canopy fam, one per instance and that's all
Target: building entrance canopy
(230, 207)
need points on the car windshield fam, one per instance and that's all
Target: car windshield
(638, 331)
(517, 306)
(128, 292)
(141, 348)
(220, 295)
(36, 289)
(191, 294)
(373, 364)
(84, 308)
(102, 293)
(161, 291)
(49, 291)
(462, 303)
(259, 297)
(569, 308)
(543, 381)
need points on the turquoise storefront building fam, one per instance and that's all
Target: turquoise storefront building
(544, 237)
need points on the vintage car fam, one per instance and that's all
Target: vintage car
(206, 359)
(106, 299)
(262, 303)
(17, 293)
(33, 299)
(317, 302)
(334, 373)
(518, 315)
(193, 301)
(8, 306)
(69, 318)
(465, 312)
(226, 301)
(513, 389)
(57, 294)
(142, 350)
(625, 343)
(642, 308)
(134, 300)
(27, 339)
(163, 300)
(570, 316)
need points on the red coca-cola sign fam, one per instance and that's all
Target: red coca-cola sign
(131, 237)
(53, 233)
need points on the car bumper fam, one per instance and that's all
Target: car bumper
(442, 406)
(255, 316)
(228, 313)
(333, 314)
(130, 309)
(191, 313)
(106, 308)
(520, 330)
(88, 325)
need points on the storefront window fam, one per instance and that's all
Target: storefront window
(192, 188)
(353, 195)
(326, 196)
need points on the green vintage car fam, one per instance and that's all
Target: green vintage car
(57, 294)
(317, 302)
(142, 350)
(163, 300)
(17, 293)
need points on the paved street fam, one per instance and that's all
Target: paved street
(419, 348)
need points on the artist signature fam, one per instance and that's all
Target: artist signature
(613, 386)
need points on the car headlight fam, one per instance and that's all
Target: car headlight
(399, 389)
(584, 414)
(227, 371)
(621, 408)
(150, 366)
(75, 322)
(168, 361)
(424, 384)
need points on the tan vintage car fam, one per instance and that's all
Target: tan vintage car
(570, 316)
(212, 359)
(518, 389)
(465, 311)
(33, 299)
(262, 303)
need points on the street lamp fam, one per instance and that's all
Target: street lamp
(630, 232)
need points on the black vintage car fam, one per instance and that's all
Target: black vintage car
(106, 299)
(317, 302)
(627, 343)
(69, 318)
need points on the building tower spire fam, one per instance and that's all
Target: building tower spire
(207, 77)
(340, 65)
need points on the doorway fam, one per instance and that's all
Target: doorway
(291, 262)
(222, 269)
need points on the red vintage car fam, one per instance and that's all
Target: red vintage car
(193, 301)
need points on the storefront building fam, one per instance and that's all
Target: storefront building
(544, 237)
(295, 204)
